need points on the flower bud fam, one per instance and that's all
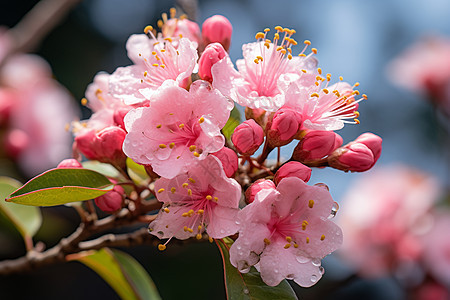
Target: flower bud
(257, 186)
(316, 145)
(293, 169)
(247, 137)
(70, 163)
(283, 126)
(373, 142)
(104, 146)
(217, 29)
(355, 157)
(15, 142)
(118, 116)
(112, 200)
(229, 160)
(257, 114)
(213, 53)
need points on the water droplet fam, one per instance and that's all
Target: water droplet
(316, 262)
(238, 247)
(246, 291)
(237, 222)
(313, 278)
(322, 185)
(321, 270)
(276, 271)
(302, 259)
(334, 210)
(222, 231)
(290, 276)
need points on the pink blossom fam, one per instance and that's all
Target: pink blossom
(258, 185)
(324, 107)
(354, 157)
(212, 54)
(265, 72)
(201, 199)
(41, 109)
(316, 144)
(373, 142)
(293, 169)
(175, 28)
(425, 67)
(247, 137)
(287, 232)
(383, 217)
(283, 126)
(178, 128)
(229, 160)
(112, 200)
(217, 29)
(154, 62)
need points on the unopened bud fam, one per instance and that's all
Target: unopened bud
(316, 145)
(70, 163)
(112, 200)
(229, 160)
(247, 137)
(217, 29)
(104, 146)
(257, 186)
(354, 157)
(283, 126)
(373, 142)
(213, 53)
(118, 116)
(293, 169)
(257, 114)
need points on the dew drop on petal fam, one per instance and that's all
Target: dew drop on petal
(321, 270)
(313, 278)
(238, 247)
(322, 185)
(276, 271)
(290, 276)
(302, 259)
(316, 262)
(334, 210)
(237, 222)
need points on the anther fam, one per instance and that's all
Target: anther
(267, 30)
(158, 126)
(189, 191)
(166, 210)
(319, 70)
(287, 246)
(160, 191)
(196, 154)
(84, 101)
(322, 237)
(315, 95)
(357, 121)
(267, 241)
(304, 224)
(209, 197)
(311, 203)
(173, 190)
(341, 78)
(278, 28)
(148, 28)
(314, 50)
(201, 120)
(171, 145)
(198, 236)
(326, 91)
(162, 146)
(181, 126)
(307, 240)
(191, 180)
(259, 35)
(288, 239)
(161, 247)
(192, 148)
(307, 42)
(185, 185)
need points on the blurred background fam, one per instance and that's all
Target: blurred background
(363, 41)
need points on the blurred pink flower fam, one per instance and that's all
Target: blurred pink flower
(266, 70)
(383, 216)
(201, 199)
(287, 231)
(178, 128)
(41, 109)
(425, 67)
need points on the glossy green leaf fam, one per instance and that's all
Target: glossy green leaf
(60, 186)
(26, 219)
(233, 121)
(102, 168)
(249, 286)
(121, 271)
(137, 172)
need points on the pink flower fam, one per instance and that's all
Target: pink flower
(293, 169)
(324, 107)
(112, 200)
(283, 126)
(383, 217)
(287, 232)
(316, 144)
(266, 70)
(212, 54)
(354, 157)
(247, 137)
(178, 128)
(217, 29)
(154, 62)
(201, 199)
(179, 27)
(373, 142)
(258, 185)
(69, 163)
(229, 160)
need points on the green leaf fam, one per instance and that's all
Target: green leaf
(26, 219)
(102, 168)
(233, 121)
(249, 285)
(121, 271)
(137, 172)
(60, 186)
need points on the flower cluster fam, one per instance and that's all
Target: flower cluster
(163, 116)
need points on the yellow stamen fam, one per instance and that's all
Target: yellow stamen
(162, 146)
(192, 148)
(185, 185)
(259, 35)
(158, 126)
(191, 180)
(311, 203)
(287, 246)
(198, 236)
(267, 241)
(201, 120)
(307, 42)
(84, 101)
(320, 71)
(314, 50)
(307, 240)
(288, 239)
(209, 197)
(322, 237)
(173, 190)
(161, 247)
(196, 154)
(315, 95)
(166, 210)
(171, 145)
(189, 191)
(160, 191)
(148, 28)
(267, 30)
(181, 126)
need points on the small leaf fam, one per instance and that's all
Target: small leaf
(26, 219)
(121, 271)
(60, 186)
(249, 285)
(233, 121)
(137, 172)
(102, 168)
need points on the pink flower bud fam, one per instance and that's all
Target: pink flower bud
(112, 200)
(6, 103)
(316, 145)
(229, 160)
(104, 146)
(355, 157)
(70, 163)
(247, 137)
(118, 116)
(293, 169)
(257, 186)
(16, 141)
(217, 29)
(257, 114)
(284, 125)
(373, 142)
(213, 53)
